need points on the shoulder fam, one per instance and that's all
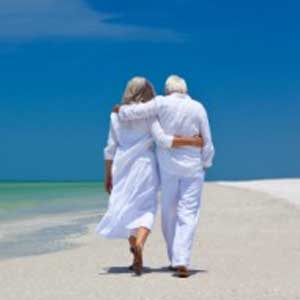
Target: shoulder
(159, 99)
(114, 118)
(198, 105)
(165, 101)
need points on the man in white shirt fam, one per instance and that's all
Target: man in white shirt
(182, 170)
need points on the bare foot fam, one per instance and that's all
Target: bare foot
(131, 267)
(182, 272)
(138, 264)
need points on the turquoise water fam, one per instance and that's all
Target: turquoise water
(27, 199)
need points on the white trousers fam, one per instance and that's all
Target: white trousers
(180, 201)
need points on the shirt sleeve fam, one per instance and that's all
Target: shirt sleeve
(138, 111)
(208, 150)
(112, 144)
(160, 137)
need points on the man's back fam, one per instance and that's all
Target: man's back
(178, 115)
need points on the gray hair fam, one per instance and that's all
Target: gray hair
(138, 89)
(175, 84)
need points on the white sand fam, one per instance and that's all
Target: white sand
(247, 247)
(287, 189)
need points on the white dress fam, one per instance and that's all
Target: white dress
(133, 200)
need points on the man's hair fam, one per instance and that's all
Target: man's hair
(175, 84)
(138, 89)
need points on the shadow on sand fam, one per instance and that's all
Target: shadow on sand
(125, 270)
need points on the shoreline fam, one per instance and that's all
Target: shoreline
(282, 189)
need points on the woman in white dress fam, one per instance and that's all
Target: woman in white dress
(131, 174)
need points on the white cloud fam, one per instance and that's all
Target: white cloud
(31, 19)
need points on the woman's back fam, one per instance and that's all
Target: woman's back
(129, 134)
(128, 141)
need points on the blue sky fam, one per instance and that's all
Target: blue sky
(63, 64)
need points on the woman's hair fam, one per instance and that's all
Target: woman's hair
(138, 89)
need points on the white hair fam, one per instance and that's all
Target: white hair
(175, 84)
(138, 89)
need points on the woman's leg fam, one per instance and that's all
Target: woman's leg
(132, 241)
(141, 237)
(132, 244)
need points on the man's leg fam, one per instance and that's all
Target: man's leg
(188, 209)
(169, 197)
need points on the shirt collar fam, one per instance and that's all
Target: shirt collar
(180, 95)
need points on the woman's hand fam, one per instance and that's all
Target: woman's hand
(198, 141)
(181, 141)
(108, 184)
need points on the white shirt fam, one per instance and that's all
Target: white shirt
(178, 114)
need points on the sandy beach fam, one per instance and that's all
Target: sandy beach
(247, 247)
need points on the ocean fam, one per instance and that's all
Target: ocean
(34, 217)
(30, 199)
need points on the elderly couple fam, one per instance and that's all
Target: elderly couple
(172, 130)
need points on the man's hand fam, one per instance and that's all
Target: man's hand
(116, 108)
(108, 184)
